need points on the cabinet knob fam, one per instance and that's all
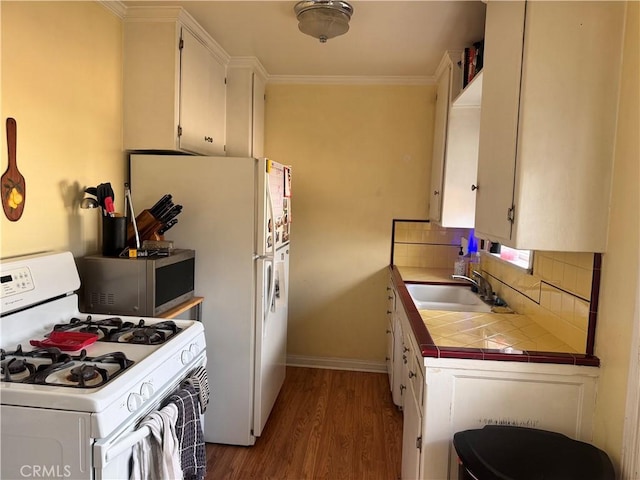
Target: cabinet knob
(404, 349)
(389, 312)
(436, 192)
(388, 331)
(474, 187)
(411, 374)
(402, 387)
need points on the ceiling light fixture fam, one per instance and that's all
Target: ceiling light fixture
(323, 19)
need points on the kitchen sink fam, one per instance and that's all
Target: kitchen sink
(446, 297)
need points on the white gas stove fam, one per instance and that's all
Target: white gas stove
(76, 385)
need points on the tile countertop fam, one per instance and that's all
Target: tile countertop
(476, 335)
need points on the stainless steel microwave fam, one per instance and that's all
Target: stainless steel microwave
(145, 287)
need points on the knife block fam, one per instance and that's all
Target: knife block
(148, 227)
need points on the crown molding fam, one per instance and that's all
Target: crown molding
(116, 7)
(173, 14)
(251, 63)
(351, 80)
(450, 57)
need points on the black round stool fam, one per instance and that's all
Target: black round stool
(517, 453)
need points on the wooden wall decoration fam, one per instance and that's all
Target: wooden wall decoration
(12, 181)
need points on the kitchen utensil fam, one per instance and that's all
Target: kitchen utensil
(12, 181)
(104, 191)
(114, 235)
(160, 205)
(166, 210)
(167, 226)
(89, 202)
(134, 224)
(67, 341)
(170, 214)
(108, 203)
(148, 228)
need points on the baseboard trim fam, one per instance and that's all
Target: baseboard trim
(332, 363)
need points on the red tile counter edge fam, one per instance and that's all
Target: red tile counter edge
(430, 349)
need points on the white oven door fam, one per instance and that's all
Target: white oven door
(112, 455)
(44, 443)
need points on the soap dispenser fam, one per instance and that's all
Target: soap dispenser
(460, 267)
(473, 262)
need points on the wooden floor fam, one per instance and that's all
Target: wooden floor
(325, 425)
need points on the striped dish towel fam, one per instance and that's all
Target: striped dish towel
(189, 433)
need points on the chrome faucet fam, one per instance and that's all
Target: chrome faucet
(485, 290)
(470, 280)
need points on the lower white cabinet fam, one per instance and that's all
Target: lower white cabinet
(443, 396)
(390, 336)
(469, 394)
(398, 385)
(411, 441)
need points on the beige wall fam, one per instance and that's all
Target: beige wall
(620, 264)
(361, 157)
(61, 81)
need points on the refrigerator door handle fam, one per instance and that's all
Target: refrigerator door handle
(270, 296)
(273, 218)
(271, 258)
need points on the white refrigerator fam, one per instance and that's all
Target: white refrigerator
(236, 216)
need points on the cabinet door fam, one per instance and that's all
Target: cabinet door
(411, 440)
(389, 357)
(398, 365)
(391, 306)
(568, 112)
(151, 77)
(499, 118)
(439, 143)
(245, 111)
(259, 89)
(461, 167)
(202, 98)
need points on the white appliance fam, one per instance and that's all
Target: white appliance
(73, 413)
(236, 217)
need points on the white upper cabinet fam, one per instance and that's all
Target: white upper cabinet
(440, 138)
(174, 84)
(455, 148)
(246, 84)
(549, 103)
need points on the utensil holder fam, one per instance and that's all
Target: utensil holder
(114, 235)
(148, 228)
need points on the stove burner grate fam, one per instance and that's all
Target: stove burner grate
(14, 367)
(114, 329)
(61, 369)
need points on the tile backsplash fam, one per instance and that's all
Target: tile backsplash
(424, 244)
(556, 294)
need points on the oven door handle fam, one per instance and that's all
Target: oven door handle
(107, 452)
